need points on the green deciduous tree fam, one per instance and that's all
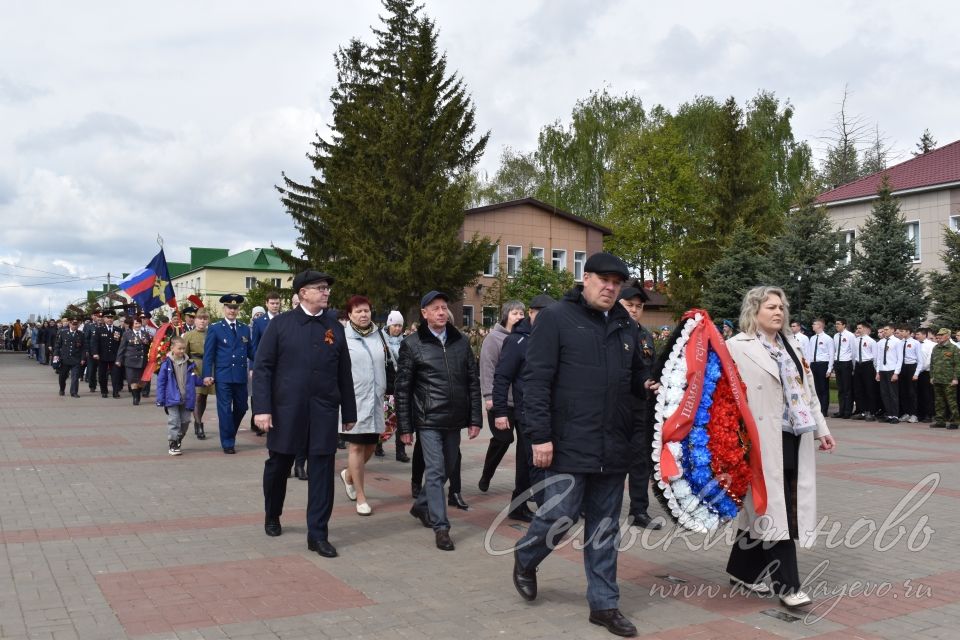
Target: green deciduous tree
(945, 287)
(384, 212)
(532, 278)
(886, 286)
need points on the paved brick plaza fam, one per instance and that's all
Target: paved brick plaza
(106, 536)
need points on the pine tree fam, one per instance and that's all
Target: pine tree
(384, 212)
(945, 286)
(926, 144)
(808, 260)
(886, 287)
(741, 266)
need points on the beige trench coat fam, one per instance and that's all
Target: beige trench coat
(765, 398)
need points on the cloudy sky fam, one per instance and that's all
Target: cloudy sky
(122, 120)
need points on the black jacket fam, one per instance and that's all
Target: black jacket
(581, 374)
(437, 386)
(69, 347)
(106, 342)
(507, 374)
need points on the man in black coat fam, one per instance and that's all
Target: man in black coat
(106, 342)
(68, 353)
(302, 390)
(437, 391)
(582, 372)
(506, 377)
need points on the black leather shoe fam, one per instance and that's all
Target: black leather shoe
(484, 484)
(116, 394)
(444, 543)
(103, 395)
(645, 521)
(402, 457)
(271, 527)
(857, 416)
(614, 621)
(422, 516)
(414, 489)
(62, 392)
(300, 472)
(229, 450)
(521, 513)
(836, 415)
(341, 444)
(456, 500)
(894, 421)
(378, 451)
(74, 395)
(952, 426)
(524, 581)
(322, 547)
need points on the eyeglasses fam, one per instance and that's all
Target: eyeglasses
(321, 288)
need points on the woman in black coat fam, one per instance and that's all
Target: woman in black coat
(132, 355)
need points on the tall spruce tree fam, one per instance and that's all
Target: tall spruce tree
(742, 265)
(384, 212)
(926, 144)
(945, 286)
(886, 287)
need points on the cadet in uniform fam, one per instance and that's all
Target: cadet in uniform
(944, 372)
(888, 360)
(106, 344)
(910, 369)
(864, 375)
(68, 352)
(226, 350)
(820, 354)
(843, 343)
(196, 340)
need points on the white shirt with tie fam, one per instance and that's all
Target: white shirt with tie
(889, 355)
(910, 350)
(821, 349)
(843, 343)
(863, 349)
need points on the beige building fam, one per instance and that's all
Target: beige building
(928, 189)
(523, 228)
(214, 272)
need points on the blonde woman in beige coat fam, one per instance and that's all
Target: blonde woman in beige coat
(783, 401)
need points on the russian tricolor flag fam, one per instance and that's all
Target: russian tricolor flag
(150, 287)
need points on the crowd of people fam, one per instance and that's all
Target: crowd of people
(568, 383)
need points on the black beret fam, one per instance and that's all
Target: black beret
(541, 301)
(310, 276)
(629, 293)
(431, 296)
(604, 262)
(232, 298)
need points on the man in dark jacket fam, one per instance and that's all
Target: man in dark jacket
(437, 393)
(68, 352)
(302, 390)
(582, 372)
(106, 342)
(506, 377)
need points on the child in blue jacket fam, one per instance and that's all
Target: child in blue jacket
(177, 384)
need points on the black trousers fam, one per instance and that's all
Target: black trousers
(92, 372)
(417, 467)
(908, 389)
(320, 472)
(924, 396)
(822, 384)
(889, 395)
(844, 371)
(752, 559)
(865, 388)
(73, 372)
(500, 445)
(110, 369)
(638, 478)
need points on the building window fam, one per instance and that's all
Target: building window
(847, 238)
(913, 235)
(954, 223)
(559, 260)
(494, 265)
(275, 282)
(250, 283)
(490, 316)
(579, 258)
(468, 315)
(514, 255)
(537, 253)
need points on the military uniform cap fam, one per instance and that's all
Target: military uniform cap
(541, 301)
(232, 298)
(310, 276)
(604, 263)
(943, 332)
(189, 311)
(109, 313)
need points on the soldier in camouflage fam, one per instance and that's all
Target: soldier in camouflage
(944, 372)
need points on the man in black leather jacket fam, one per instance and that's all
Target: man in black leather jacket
(582, 372)
(437, 393)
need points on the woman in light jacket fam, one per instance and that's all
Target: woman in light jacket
(369, 386)
(782, 399)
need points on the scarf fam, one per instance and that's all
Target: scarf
(363, 333)
(797, 417)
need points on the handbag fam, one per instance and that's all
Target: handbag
(389, 366)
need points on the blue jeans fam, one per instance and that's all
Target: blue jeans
(440, 450)
(600, 497)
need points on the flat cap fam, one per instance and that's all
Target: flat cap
(541, 301)
(628, 293)
(604, 262)
(310, 276)
(431, 296)
(943, 332)
(232, 298)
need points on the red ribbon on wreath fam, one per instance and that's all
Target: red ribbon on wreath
(678, 426)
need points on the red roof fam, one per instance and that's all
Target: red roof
(938, 167)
